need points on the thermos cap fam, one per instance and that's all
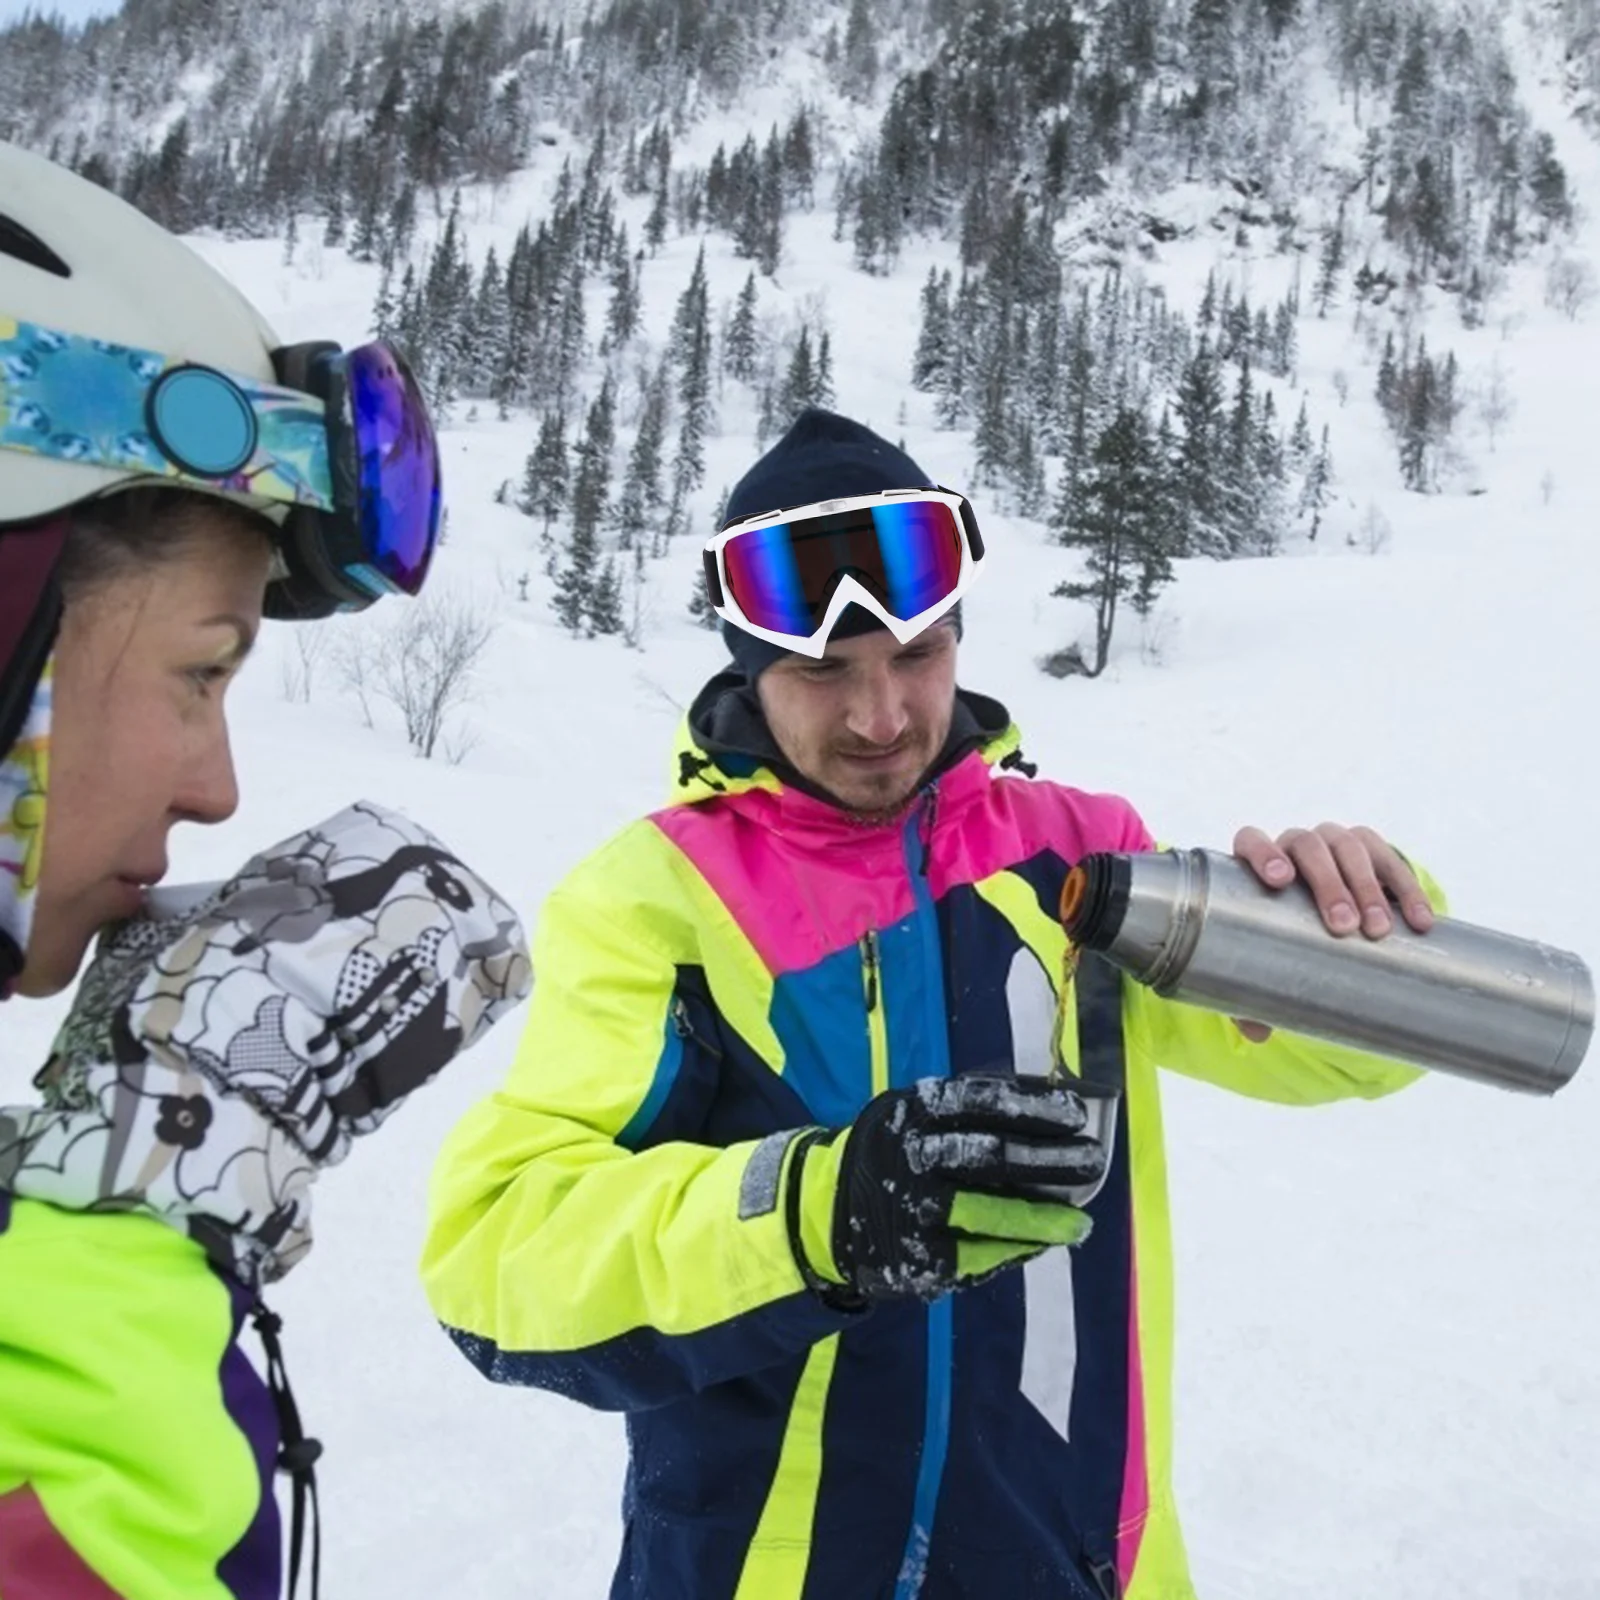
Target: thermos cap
(1094, 900)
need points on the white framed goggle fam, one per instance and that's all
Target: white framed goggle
(905, 555)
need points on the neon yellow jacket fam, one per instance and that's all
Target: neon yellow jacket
(750, 960)
(137, 1442)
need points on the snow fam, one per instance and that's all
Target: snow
(1386, 1372)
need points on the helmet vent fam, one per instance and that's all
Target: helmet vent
(17, 241)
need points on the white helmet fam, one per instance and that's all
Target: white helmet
(74, 257)
(186, 385)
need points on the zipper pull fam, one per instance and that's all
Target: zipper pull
(1105, 1576)
(680, 1018)
(869, 962)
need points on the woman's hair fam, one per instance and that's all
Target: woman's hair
(138, 530)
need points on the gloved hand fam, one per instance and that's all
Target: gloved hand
(940, 1186)
(215, 1061)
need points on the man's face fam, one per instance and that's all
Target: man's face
(867, 720)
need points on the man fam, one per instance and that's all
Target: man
(784, 1117)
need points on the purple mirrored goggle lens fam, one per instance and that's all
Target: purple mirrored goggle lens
(397, 466)
(907, 554)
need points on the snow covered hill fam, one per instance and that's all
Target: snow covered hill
(1386, 1374)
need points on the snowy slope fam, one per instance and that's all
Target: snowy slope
(1386, 1371)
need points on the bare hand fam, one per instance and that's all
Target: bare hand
(1351, 872)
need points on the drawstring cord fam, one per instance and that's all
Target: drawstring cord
(297, 1455)
(692, 766)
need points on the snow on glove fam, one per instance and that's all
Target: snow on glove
(216, 1060)
(941, 1185)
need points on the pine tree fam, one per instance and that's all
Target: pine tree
(605, 611)
(800, 159)
(1270, 476)
(1042, 388)
(591, 480)
(1241, 488)
(655, 225)
(485, 342)
(1548, 182)
(1316, 495)
(800, 382)
(1300, 439)
(691, 351)
(641, 497)
(574, 594)
(1027, 474)
(402, 225)
(384, 308)
(546, 479)
(1199, 407)
(1329, 265)
(1120, 525)
(771, 202)
(570, 329)
(1211, 49)
(366, 240)
(690, 319)
(1285, 340)
(746, 202)
(622, 314)
(993, 439)
(578, 583)
(409, 330)
(333, 232)
(1419, 398)
(740, 347)
(447, 311)
(1389, 382)
(860, 51)
(824, 395)
(932, 359)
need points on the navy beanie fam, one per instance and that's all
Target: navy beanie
(823, 456)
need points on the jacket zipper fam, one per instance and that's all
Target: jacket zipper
(685, 1028)
(917, 845)
(877, 1027)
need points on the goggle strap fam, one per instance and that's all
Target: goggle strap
(304, 367)
(314, 586)
(969, 521)
(713, 578)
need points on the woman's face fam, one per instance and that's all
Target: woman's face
(138, 739)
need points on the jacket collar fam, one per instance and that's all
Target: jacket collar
(725, 749)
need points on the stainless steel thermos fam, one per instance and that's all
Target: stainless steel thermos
(1200, 927)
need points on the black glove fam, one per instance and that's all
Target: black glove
(940, 1185)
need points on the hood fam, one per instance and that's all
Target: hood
(725, 746)
(30, 613)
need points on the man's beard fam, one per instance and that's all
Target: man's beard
(877, 813)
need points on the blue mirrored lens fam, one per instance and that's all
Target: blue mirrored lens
(919, 545)
(906, 553)
(398, 465)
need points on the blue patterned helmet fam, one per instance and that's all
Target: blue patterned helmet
(75, 258)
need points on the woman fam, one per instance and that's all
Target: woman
(166, 474)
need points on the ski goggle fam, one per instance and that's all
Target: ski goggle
(906, 555)
(343, 440)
